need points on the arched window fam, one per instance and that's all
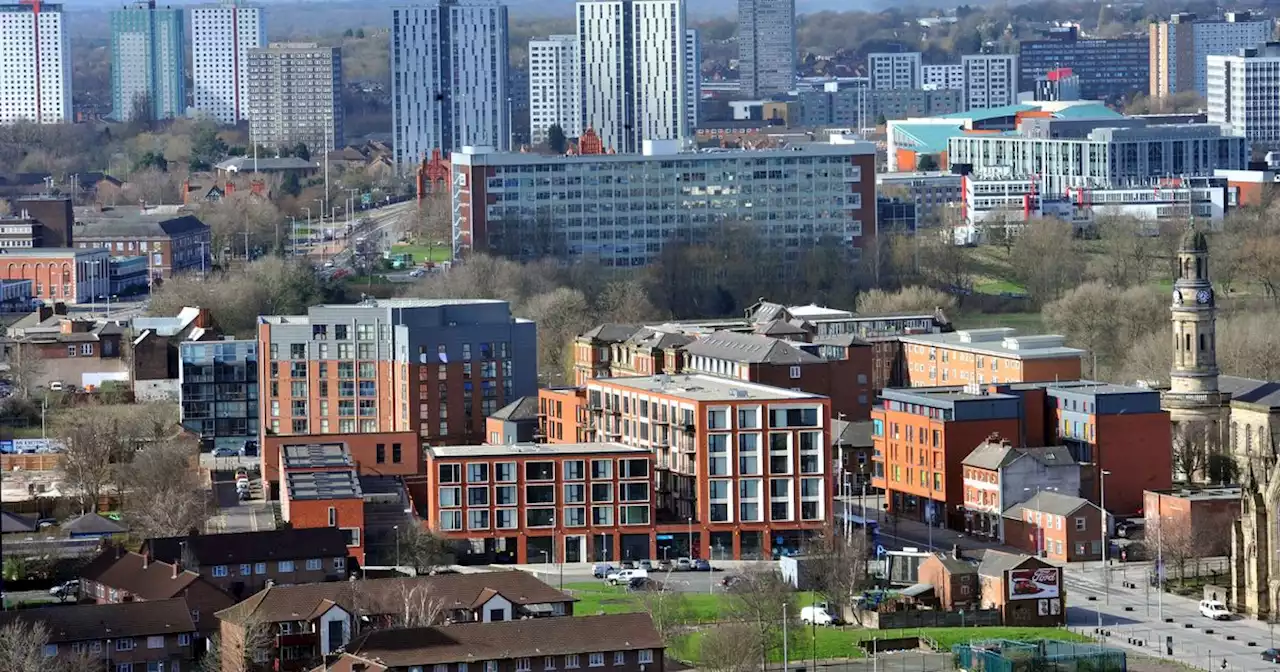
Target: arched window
(1248, 440)
(1235, 438)
(1199, 269)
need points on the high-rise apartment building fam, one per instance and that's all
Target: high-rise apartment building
(895, 71)
(945, 76)
(1108, 68)
(148, 61)
(990, 80)
(448, 77)
(692, 75)
(1242, 94)
(632, 82)
(35, 64)
(553, 86)
(1178, 48)
(433, 369)
(221, 37)
(766, 46)
(295, 96)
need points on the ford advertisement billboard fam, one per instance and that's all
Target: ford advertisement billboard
(1033, 584)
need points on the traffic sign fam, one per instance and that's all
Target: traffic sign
(366, 198)
(880, 552)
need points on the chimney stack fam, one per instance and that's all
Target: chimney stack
(955, 552)
(146, 558)
(177, 568)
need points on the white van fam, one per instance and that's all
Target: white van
(1215, 610)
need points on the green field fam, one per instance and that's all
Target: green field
(421, 253)
(601, 598)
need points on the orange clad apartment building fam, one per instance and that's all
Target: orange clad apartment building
(741, 469)
(534, 503)
(398, 371)
(985, 356)
(922, 435)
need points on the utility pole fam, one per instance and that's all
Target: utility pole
(784, 637)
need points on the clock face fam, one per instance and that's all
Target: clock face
(1204, 296)
(1177, 298)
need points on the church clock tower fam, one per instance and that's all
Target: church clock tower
(1193, 395)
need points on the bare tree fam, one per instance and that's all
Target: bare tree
(914, 299)
(1128, 252)
(22, 646)
(93, 438)
(239, 214)
(759, 602)
(26, 369)
(268, 286)
(839, 568)
(728, 648)
(1147, 359)
(239, 647)
(416, 607)
(419, 548)
(1248, 344)
(164, 495)
(946, 265)
(1193, 443)
(1084, 315)
(668, 609)
(1039, 241)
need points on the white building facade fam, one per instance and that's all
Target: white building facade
(945, 76)
(1180, 47)
(221, 37)
(448, 77)
(35, 64)
(766, 46)
(553, 87)
(1244, 94)
(895, 71)
(632, 83)
(990, 80)
(692, 75)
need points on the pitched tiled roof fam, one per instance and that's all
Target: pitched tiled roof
(505, 640)
(92, 523)
(996, 563)
(1049, 502)
(456, 591)
(13, 522)
(856, 434)
(612, 332)
(1251, 391)
(749, 348)
(991, 455)
(524, 408)
(81, 622)
(126, 571)
(245, 547)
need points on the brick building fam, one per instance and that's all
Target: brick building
(37, 222)
(562, 414)
(742, 469)
(985, 356)
(558, 502)
(429, 369)
(375, 454)
(243, 562)
(608, 642)
(1027, 591)
(117, 576)
(307, 621)
(157, 635)
(998, 475)
(59, 274)
(954, 581)
(923, 435)
(50, 332)
(1057, 527)
(517, 422)
(322, 489)
(172, 243)
(1203, 514)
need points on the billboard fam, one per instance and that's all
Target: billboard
(1033, 584)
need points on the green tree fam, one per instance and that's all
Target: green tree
(556, 139)
(151, 159)
(360, 33)
(206, 147)
(347, 33)
(301, 151)
(290, 184)
(881, 120)
(926, 162)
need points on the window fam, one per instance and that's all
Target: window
(549, 663)
(507, 519)
(574, 470)
(644, 656)
(451, 520)
(619, 658)
(601, 469)
(749, 500)
(86, 349)
(571, 662)
(717, 418)
(601, 492)
(504, 472)
(284, 566)
(539, 471)
(505, 495)
(720, 501)
(634, 468)
(780, 499)
(450, 473)
(522, 665)
(478, 519)
(602, 516)
(540, 517)
(339, 563)
(595, 660)
(260, 568)
(540, 494)
(71, 351)
(184, 639)
(478, 496)
(575, 516)
(124, 644)
(575, 493)
(128, 667)
(220, 570)
(246, 570)
(795, 373)
(793, 417)
(155, 642)
(634, 515)
(50, 650)
(450, 497)
(1080, 523)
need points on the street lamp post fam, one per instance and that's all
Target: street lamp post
(689, 521)
(396, 529)
(1102, 519)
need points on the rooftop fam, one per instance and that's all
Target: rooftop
(1251, 391)
(244, 547)
(996, 563)
(662, 151)
(56, 252)
(1048, 501)
(1000, 341)
(1229, 492)
(704, 388)
(311, 455)
(505, 640)
(524, 408)
(128, 223)
(248, 163)
(85, 622)
(338, 484)
(534, 449)
(941, 394)
(749, 348)
(146, 580)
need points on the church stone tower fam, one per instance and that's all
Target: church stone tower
(1193, 400)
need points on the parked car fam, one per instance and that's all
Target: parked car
(732, 581)
(701, 566)
(250, 448)
(1215, 610)
(243, 495)
(625, 576)
(645, 565)
(818, 614)
(628, 564)
(224, 452)
(1129, 528)
(1271, 655)
(602, 570)
(66, 591)
(46, 522)
(665, 566)
(684, 564)
(643, 583)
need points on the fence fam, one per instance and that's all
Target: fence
(1009, 656)
(928, 618)
(31, 462)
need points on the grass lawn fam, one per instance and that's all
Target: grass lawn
(1025, 323)
(598, 597)
(423, 253)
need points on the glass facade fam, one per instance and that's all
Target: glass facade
(219, 388)
(1107, 69)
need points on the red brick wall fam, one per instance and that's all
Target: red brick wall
(1135, 449)
(304, 513)
(363, 449)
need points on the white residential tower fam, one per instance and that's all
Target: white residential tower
(221, 37)
(553, 86)
(35, 64)
(990, 80)
(894, 71)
